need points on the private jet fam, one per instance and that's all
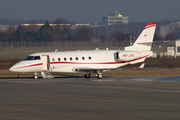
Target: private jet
(90, 61)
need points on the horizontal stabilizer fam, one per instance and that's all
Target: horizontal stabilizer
(150, 43)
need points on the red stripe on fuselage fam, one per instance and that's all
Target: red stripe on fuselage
(62, 62)
(81, 63)
(28, 66)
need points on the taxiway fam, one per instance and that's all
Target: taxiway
(127, 98)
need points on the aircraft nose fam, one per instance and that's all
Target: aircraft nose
(16, 67)
(13, 68)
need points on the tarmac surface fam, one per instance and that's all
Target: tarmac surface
(115, 98)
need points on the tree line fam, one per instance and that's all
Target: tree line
(47, 33)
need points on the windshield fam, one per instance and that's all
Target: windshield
(32, 58)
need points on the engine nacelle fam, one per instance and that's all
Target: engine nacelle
(126, 55)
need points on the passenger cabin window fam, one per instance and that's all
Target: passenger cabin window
(64, 59)
(70, 58)
(59, 59)
(83, 58)
(76, 58)
(32, 58)
(89, 58)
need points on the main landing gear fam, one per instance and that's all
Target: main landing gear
(98, 75)
(87, 75)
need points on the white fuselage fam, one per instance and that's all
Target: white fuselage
(86, 62)
(70, 60)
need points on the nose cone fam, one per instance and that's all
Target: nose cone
(13, 68)
(26, 66)
(17, 67)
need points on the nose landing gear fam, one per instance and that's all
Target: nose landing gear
(35, 76)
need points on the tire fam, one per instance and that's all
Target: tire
(100, 76)
(87, 75)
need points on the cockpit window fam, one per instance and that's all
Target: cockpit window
(36, 57)
(32, 58)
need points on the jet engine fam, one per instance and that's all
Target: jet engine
(126, 55)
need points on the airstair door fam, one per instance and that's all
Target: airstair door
(46, 62)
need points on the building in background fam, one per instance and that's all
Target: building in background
(170, 51)
(177, 49)
(115, 18)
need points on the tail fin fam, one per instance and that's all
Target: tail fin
(145, 39)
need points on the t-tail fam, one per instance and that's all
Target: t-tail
(145, 39)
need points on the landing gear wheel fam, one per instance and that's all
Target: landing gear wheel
(99, 76)
(35, 76)
(87, 75)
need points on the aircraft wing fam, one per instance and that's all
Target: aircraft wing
(84, 69)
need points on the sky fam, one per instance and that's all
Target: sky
(90, 10)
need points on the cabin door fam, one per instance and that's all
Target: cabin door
(46, 62)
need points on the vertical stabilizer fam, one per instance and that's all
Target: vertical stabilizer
(145, 39)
